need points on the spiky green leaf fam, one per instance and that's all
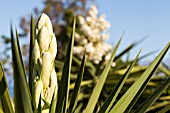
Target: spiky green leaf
(63, 88)
(21, 91)
(152, 98)
(97, 90)
(32, 38)
(77, 86)
(111, 99)
(128, 97)
(4, 93)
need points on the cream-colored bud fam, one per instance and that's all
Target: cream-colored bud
(53, 47)
(36, 51)
(45, 79)
(46, 68)
(53, 86)
(48, 24)
(38, 91)
(44, 39)
(41, 21)
(44, 20)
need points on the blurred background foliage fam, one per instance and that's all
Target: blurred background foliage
(61, 13)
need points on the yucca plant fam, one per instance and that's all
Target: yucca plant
(40, 93)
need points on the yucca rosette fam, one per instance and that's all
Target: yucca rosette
(44, 53)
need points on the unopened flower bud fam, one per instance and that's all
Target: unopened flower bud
(36, 51)
(49, 25)
(53, 47)
(38, 91)
(45, 50)
(44, 39)
(41, 21)
(53, 86)
(46, 68)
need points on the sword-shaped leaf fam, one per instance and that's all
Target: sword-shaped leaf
(21, 91)
(77, 86)
(63, 89)
(4, 93)
(152, 98)
(98, 88)
(112, 97)
(30, 80)
(134, 90)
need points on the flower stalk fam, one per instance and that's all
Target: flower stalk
(44, 53)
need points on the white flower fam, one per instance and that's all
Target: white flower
(105, 36)
(89, 48)
(89, 20)
(93, 10)
(81, 19)
(78, 50)
(92, 36)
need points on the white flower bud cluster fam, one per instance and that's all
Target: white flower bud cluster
(92, 36)
(44, 53)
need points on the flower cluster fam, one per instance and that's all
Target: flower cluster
(44, 53)
(91, 36)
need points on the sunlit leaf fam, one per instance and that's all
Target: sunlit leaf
(4, 93)
(152, 98)
(21, 91)
(73, 100)
(63, 88)
(112, 97)
(128, 97)
(97, 90)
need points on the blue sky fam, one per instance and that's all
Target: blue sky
(138, 18)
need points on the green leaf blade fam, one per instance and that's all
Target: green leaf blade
(110, 100)
(53, 103)
(21, 91)
(97, 90)
(165, 109)
(32, 38)
(4, 93)
(123, 103)
(63, 88)
(77, 86)
(152, 98)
